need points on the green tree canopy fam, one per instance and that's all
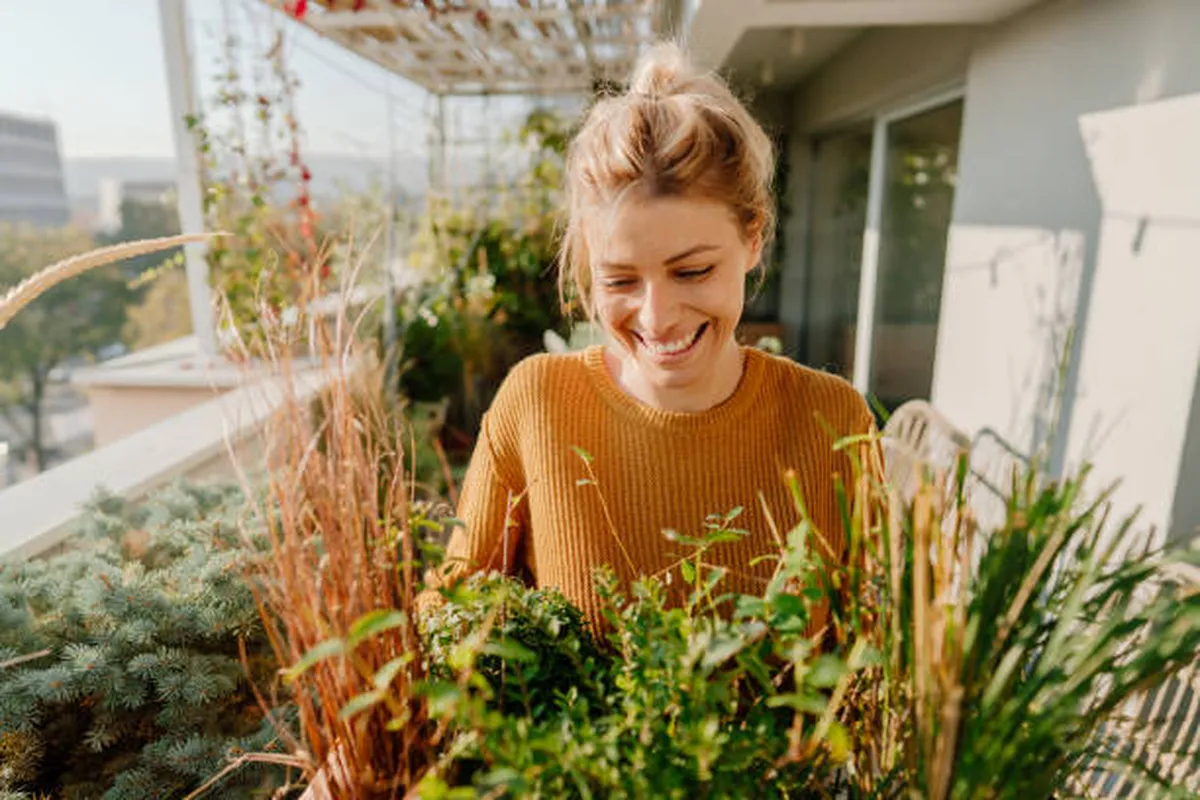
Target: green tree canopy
(75, 318)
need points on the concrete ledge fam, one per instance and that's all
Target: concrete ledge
(37, 515)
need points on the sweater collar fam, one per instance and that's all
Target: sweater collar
(742, 399)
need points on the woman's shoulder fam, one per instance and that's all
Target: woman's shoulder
(540, 371)
(538, 379)
(824, 393)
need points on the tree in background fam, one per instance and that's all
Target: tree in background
(164, 312)
(74, 319)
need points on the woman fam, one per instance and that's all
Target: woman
(586, 459)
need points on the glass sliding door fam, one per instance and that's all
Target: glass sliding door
(921, 166)
(881, 202)
(841, 174)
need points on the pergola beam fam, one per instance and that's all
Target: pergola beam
(379, 19)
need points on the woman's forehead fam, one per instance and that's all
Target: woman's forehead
(658, 229)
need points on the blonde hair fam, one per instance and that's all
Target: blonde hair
(673, 132)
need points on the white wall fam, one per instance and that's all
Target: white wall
(1035, 247)
(882, 67)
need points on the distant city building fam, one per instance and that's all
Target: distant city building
(31, 174)
(113, 192)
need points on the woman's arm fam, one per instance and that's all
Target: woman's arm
(494, 516)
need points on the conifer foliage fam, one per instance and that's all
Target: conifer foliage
(121, 671)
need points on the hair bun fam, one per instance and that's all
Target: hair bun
(662, 70)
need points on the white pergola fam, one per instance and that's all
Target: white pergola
(489, 47)
(448, 47)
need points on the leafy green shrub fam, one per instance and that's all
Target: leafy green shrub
(125, 677)
(488, 290)
(681, 701)
(527, 644)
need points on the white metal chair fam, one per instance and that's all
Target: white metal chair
(916, 438)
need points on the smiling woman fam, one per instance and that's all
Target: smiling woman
(587, 459)
(669, 291)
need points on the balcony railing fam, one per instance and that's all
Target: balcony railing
(38, 516)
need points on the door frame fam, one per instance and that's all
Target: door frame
(864, 331)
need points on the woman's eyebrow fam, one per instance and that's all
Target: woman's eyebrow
(691, 251)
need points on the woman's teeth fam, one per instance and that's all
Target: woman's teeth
(671, 348)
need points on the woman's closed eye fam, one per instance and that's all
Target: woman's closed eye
(695, 274)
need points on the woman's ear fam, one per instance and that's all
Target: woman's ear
(755, 243)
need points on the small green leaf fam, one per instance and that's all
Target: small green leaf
(375, 622)
(398, 723)
(579, 451)
(826, 671)
(688, 570)
(318, 653)
(360, 703)
(721, 650)
(789, 605)
(387, 673)
(748, 606)
(839, 742)
(509, 650)
(724, 535)
(865, 657)
(807, 703)
(715, 575)
(442, 697)
(501, 776)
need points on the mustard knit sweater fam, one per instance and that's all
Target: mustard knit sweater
(528, 502)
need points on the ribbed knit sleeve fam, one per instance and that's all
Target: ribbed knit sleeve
(492, 499)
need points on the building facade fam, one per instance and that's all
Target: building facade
(32, 188)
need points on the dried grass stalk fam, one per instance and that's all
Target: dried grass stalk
(336, 503)
(42, 281)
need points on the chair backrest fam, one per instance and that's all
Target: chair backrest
(917, 437)
(1158, 729)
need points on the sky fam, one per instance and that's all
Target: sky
(96, 68)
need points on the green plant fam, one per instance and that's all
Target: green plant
(1013, 648)
(257, 187)
(123, 661)
(488, 292)
(680, 700)
(527, 644)
(955, 664)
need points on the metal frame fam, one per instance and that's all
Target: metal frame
(864, 336)
(181, 84)
(492, 46)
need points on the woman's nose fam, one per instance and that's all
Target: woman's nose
(660, 303)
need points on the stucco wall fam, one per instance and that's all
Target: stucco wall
(119, 411)
(1036, 250)
(881, 68)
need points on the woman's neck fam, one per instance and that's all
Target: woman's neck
(714, 388)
